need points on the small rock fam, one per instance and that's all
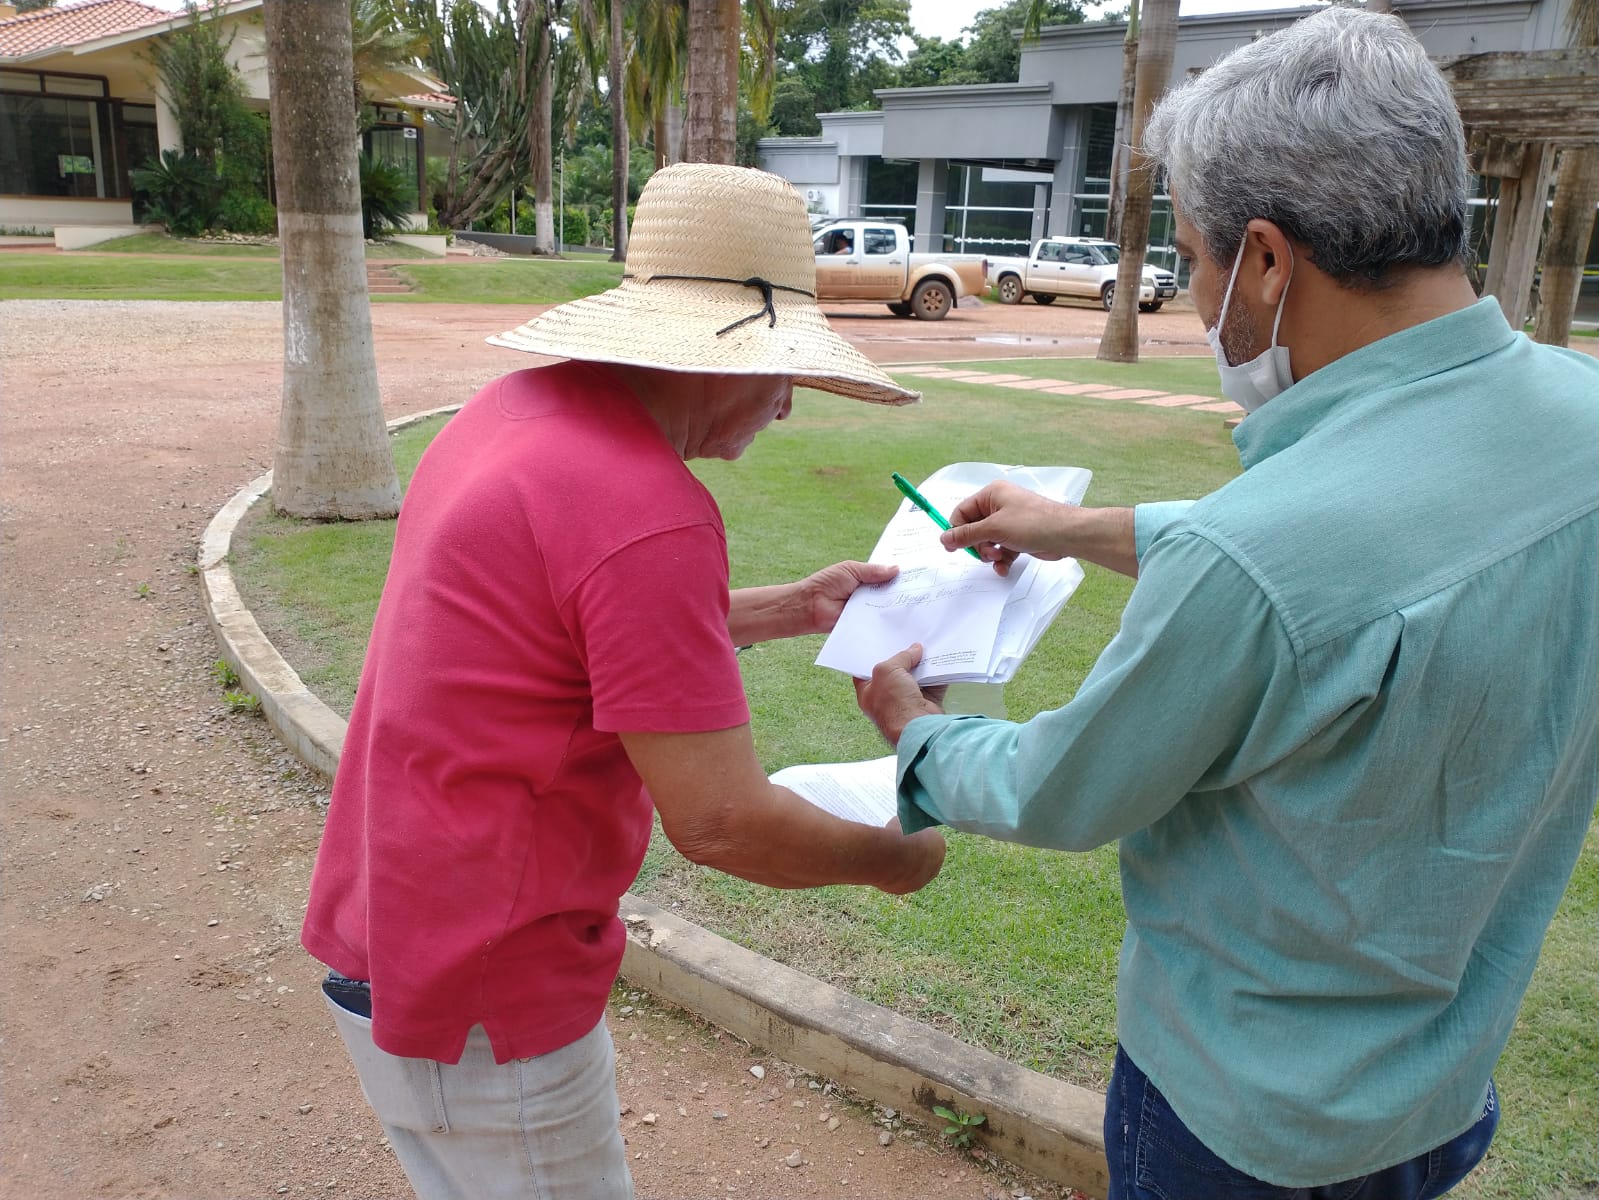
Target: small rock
(795, 1159)
(758, 1071)
(303, 1109)
(832, 1124)
(681, 1111)
(762, 1143)
(211, 922)
(718, 1115)
(624, 1110)
(625, 1011)
(650, 1118)
(885, 1138)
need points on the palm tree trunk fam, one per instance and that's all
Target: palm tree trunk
(1157, 44)
(1121, 151)
(540, 117)
(676, 119)
(1571, 226)
(713, 34)
(619, 142)
(333, 458)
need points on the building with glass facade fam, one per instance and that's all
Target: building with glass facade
(80, 109)
(989, 168)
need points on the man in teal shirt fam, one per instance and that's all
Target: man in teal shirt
(1348, 733)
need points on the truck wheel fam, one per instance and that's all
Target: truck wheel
(1043, 297)
(899, 308)
(1107, 296)
(932, 299)
(1010, 289)
(1152, 306)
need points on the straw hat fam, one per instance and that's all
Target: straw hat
(720, 278)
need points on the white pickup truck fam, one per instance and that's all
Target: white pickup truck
(1073, 266)
(872, 260)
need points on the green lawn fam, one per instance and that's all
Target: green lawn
(1010, 948)
(252, 273)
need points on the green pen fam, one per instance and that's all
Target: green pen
(920, 501)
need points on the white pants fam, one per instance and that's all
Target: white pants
(543, 1128)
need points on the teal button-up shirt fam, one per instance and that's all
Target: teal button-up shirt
(1348, 737)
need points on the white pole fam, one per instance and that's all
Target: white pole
(560, 202)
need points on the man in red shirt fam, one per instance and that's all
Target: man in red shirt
(553, 660)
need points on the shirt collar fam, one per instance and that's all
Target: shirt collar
(1364, 375)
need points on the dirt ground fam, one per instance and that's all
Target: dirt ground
(163, 1033)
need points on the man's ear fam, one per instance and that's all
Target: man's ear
(1266, 241)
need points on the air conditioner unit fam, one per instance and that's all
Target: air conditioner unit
(813, 193)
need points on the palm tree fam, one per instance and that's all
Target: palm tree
(536, 35)
(655, 76)
(615, 85)
(333, 458)
(1571, 220)
(1124, 116)
(1157, 45)
(613, 15)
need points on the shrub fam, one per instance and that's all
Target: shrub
(181, 193)
(242, 212)
(574, 227)
(387, 195)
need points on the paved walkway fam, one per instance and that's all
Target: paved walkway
(1066, 387)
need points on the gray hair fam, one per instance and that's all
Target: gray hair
(1339, 131)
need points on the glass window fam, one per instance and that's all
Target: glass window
(70, 85)
(880, 240)
(20, 81)
(396, 146)
(1049, 252)
(51, 147)
(1101, 147)
(891, 182)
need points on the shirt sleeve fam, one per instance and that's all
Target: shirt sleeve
(650, 622)
(1149, 520)
(1195, 692)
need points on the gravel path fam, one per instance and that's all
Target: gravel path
(163, 1034)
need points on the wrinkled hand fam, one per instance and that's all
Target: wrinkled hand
(1004, 520)
(822, 595)
(924, 858)
(893, 699)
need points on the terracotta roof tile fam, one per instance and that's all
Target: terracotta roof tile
(73, 24)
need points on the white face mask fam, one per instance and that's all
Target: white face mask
(1251, 384)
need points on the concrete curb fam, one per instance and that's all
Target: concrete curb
(1044, 1125)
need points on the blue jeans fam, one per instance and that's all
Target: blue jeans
(1153, 1156)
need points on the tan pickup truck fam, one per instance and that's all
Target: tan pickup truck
(872, 260)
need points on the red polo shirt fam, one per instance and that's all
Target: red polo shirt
(558, 576)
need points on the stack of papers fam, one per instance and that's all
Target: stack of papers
(974, 625)
(856, 791)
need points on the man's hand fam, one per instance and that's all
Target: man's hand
(822, 596)
(811, 605)
(1004, 520)
(893, 699)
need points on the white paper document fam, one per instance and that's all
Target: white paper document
(856, 791)
(974, 625)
